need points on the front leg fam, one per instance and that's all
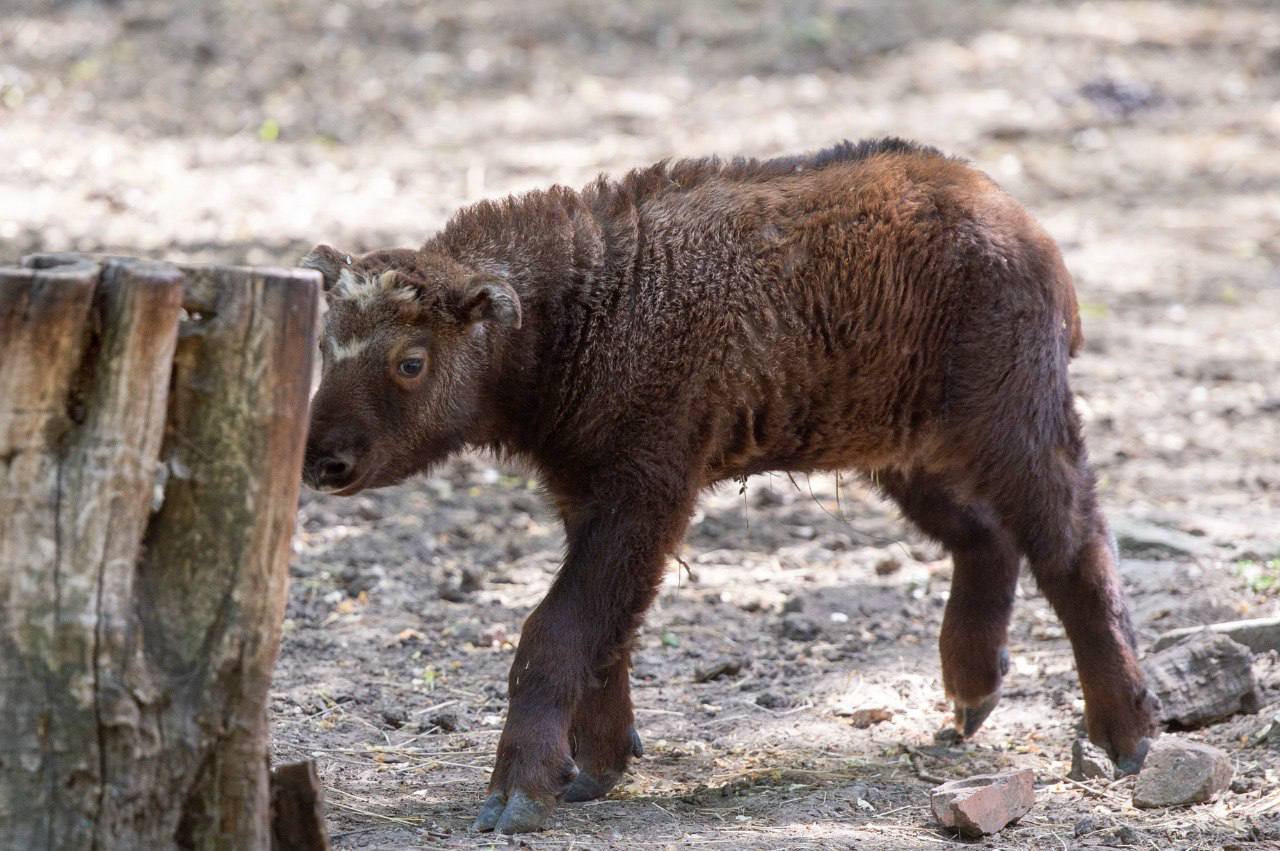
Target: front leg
(571, 646)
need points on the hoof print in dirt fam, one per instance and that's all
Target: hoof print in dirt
(1178, 771)
(1089, 762)
(1204, 678)
(985, 803)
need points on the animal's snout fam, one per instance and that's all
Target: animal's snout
(332, 471)
(331, 461)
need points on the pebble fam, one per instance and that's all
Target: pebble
(985, 803)
(445, 722)
(1180, 771)
(1267, 735)
(863, 718)
(888, 566)
(727, 667)
(772, 700)
(1088, 761)
(798, 627)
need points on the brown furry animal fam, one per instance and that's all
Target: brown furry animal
(876, 307)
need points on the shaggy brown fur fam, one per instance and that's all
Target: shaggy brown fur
(876, 307)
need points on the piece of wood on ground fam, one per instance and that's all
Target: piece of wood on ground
(1204, 678)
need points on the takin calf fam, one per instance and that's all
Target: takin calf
(876, 307)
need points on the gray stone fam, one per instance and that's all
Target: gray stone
(1088, 761)
(1258, 634)
(1141, 539)
(1204, 678)
(727, 667)
(1268, 735)
(798, 627)
(1178, 771)
(985, 803)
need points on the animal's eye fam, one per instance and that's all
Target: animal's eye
(410, 367)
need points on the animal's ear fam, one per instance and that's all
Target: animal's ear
(328, 261)
(488, 298)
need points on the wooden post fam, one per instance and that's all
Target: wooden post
(152, 422)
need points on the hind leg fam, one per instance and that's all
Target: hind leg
(1046, 499)
(985, 560)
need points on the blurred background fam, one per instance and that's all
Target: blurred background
(1144, 134)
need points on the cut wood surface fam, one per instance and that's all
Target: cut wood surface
(152, 421)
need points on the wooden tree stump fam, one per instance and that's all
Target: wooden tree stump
(152, 422)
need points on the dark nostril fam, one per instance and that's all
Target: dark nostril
(334, 469)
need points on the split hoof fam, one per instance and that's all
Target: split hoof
(1132, 763)
(517, 814)
(590, 785)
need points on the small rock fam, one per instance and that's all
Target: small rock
(1124, 835)
(1144, 540)
(1258, 634)
(1204, 678)
(868, 704)
(985, 803)
(495, 636)
(1085, 826)
(454, 593)
(394, 717)
(949, 736)
(1179, 771)
(888, 566)
(1088, 761)
(354, 579)
(1268, 735)
(445, 722)
(798, 627)
(863, 718)
(728, 667)
(772, 700)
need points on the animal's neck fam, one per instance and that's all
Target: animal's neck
(550, 248)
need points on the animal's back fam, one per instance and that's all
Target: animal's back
(809, 312)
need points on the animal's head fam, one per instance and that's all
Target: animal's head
(408, 354)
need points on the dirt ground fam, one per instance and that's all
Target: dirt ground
(1143, 134)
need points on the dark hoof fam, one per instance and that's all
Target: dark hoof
(970, 718)
(588, 786)
(490, 812)
(518, 814)
(1132, 763)
(637, 746)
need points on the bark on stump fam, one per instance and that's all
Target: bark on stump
(152, 421)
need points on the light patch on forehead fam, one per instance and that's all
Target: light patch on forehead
(350, 349)
(365, 290)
